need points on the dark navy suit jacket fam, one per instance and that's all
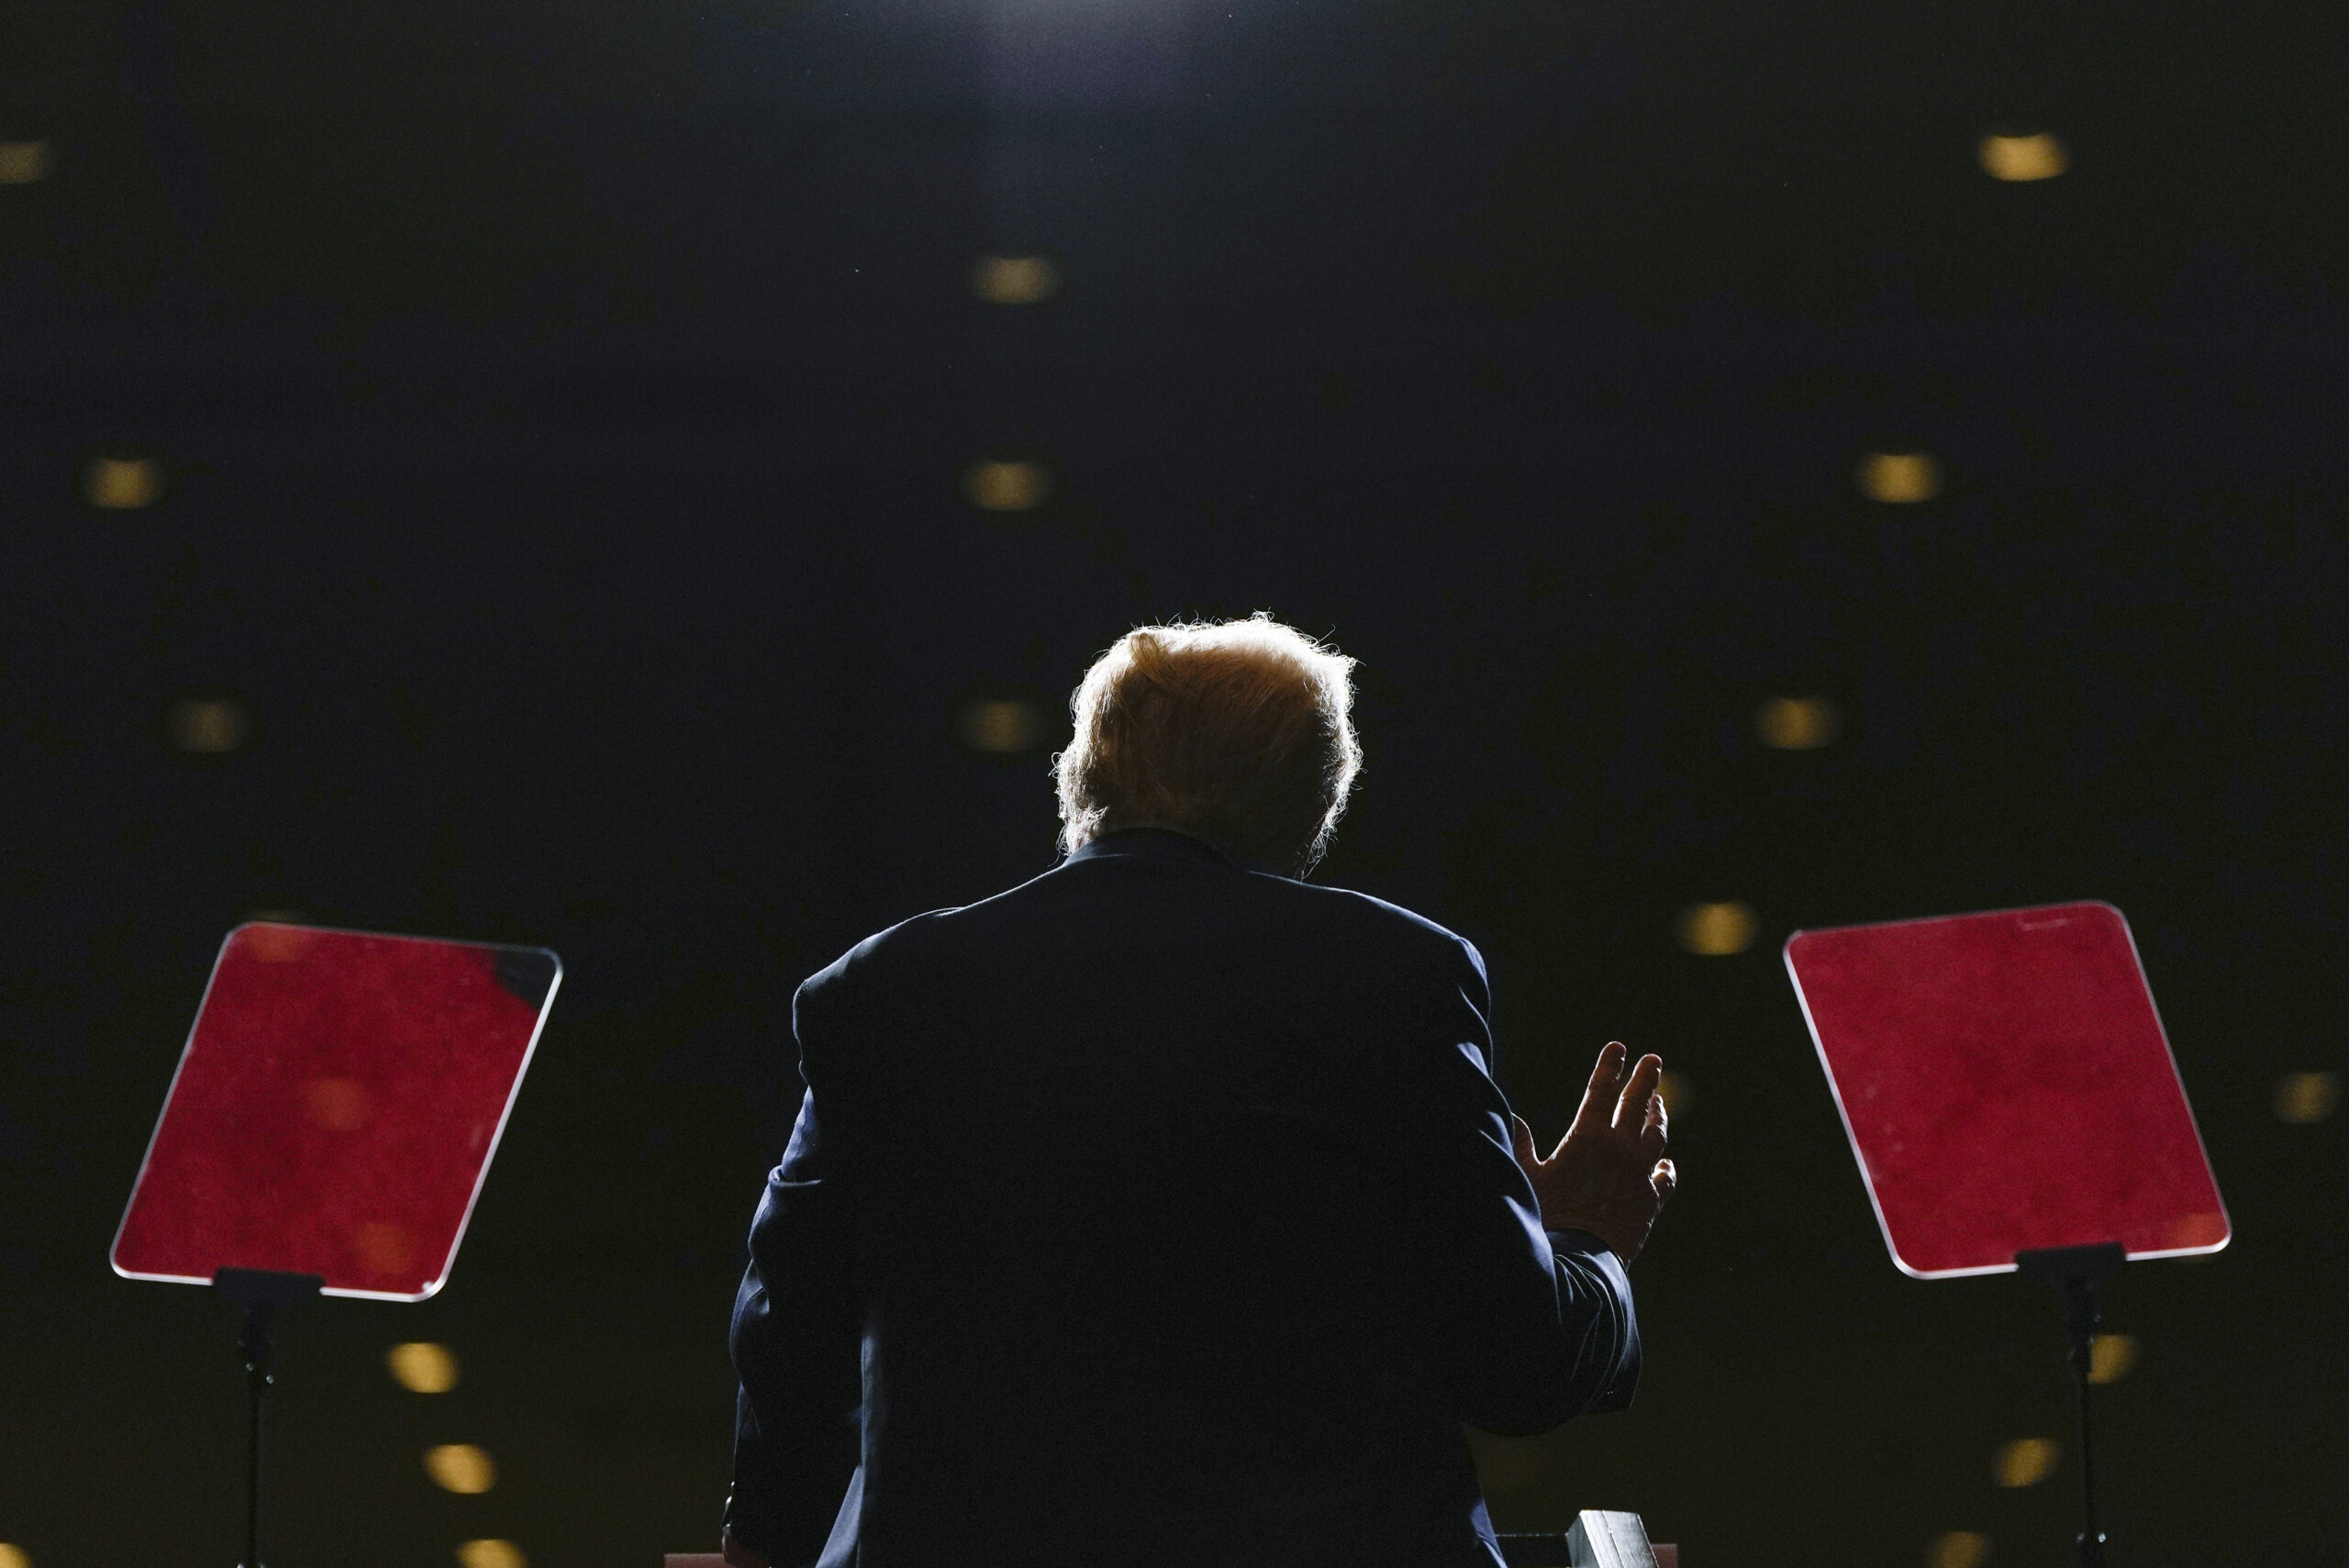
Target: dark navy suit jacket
(1161, 1213)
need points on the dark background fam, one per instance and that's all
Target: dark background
(562, 408)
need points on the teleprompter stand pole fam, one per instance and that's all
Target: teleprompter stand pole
(258, 1294)
(2074, 1270)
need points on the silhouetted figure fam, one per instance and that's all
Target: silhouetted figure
(1162, 1210)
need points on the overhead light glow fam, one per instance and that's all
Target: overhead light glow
(208, 727)
(1716, 930)
(2023, 158)
(2304, 1098)
(491, 1554)
(23, 163)
(1958, 1549)
(460, 1468)
(122, 483)
(13, 1556)
(1797, 724)
(2026, 1462)
(1006, 485)
(2110, 1356)
(1001, 726)
(1899, 479)
(423, 1368)
(1015, 280)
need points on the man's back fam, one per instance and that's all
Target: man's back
(1175, 1213)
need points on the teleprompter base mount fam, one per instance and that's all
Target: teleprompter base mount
(2077, 1271)
(258, 1293)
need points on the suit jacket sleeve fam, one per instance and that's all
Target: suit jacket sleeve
(796, 1339)
(1533, 1328)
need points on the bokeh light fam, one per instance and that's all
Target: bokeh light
(2026, 1462)
(278, 943)
(381, 1247)
(2023, 158)
(2206, 1228)
(23, 163)
(460, 1468)
(422, 1367)
(1007, 484)
(2110, 1356)
(1677, 1092)
(15, 1556)
(1015, 280)
(999, 726)
(1797, 724)
(208, 727)
(1899, 479)
(1716, 930)
(1958, 1549)
(491, 1553)
(2304, 1098)
(122, 483)
(336, 1105)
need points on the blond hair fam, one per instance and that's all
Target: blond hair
(1239, 732)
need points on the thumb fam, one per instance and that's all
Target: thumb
(1665, 1180)
(1521, 1141)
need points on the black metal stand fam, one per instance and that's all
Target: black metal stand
(258, 1294)
(2074, 1270)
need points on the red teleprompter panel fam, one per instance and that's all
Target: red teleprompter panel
(2007, 1087)
(335, 1109)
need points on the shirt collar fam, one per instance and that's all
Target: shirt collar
(1156, 843)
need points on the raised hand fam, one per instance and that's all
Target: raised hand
(1608, 1174)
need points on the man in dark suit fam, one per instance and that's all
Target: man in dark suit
(1162, 1212)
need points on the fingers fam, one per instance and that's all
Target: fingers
(1654, 1131)
(1606, 1081)
(1630, 1110)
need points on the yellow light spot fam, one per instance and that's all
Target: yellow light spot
(381, 1247)
(461, 1467)
(1958, 1549)
(1677, 1092)
(23, 163)
(2305, 1098)
(123, 483)
(1715, 929)
(1015, 280)
(2110, 1356)
(210, 727)
(1899, 479)
(337, 1105)
(1797, 724)
(421, 1367)
(1004, 725)
(15, 1556)
(1006, 486)
(2020, 157)
(491, 1554)
(2026, 1462)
